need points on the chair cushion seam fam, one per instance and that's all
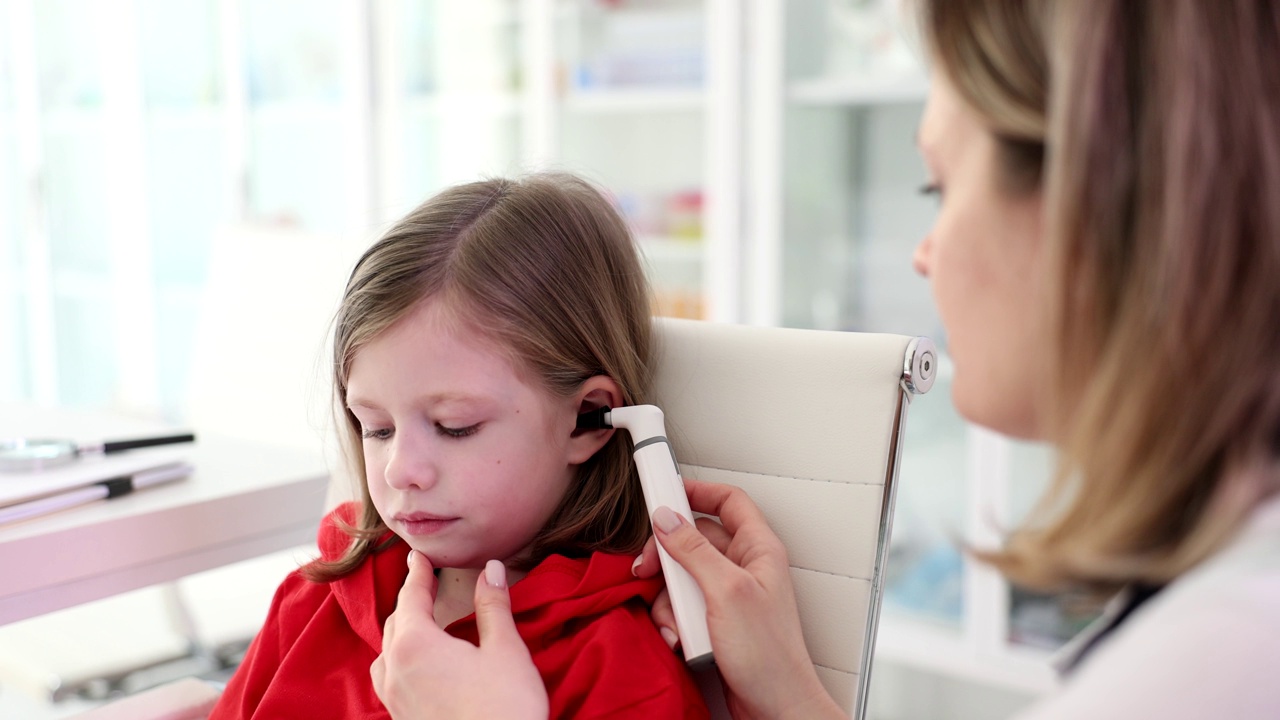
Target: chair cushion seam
(831, 574)
(785, 477)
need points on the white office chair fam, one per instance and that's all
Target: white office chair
(810, 424)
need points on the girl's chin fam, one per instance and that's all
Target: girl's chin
(447, 554)
(441, 558)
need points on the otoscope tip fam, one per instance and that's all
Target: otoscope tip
(594, 419)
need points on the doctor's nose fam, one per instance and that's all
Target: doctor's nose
(921, 258)
(409, 466)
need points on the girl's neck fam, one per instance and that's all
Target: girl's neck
(456, 592)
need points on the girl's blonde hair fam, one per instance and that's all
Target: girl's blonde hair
(545, 268)
(1152, 128)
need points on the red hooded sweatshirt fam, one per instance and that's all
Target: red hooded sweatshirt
(586, 623)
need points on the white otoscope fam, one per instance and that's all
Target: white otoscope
(662, 485)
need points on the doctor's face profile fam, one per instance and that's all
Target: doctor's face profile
(465, 460)
(983, 261)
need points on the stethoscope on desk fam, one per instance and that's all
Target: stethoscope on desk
(33, 455)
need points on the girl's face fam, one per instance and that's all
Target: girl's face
(465, 459)
(983, 261)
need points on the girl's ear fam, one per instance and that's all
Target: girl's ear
(598, 391)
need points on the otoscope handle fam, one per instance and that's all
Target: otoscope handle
(662, 486)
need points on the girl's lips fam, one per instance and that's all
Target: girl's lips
(423, 524)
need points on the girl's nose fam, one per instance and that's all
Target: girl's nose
(923, 254)
(409, 465)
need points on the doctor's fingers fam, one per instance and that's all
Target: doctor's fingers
(731, 504)
(419, 589)
(417, 597)
(715, 532)
(521, 692)
(647, 564)
(493, 610)
(754, 542)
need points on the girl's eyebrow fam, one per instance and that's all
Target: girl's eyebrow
(441, 398)
(451, 397)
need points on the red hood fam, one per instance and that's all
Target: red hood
(557, 592)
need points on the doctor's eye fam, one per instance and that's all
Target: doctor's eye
(932, 189)
(457, 432)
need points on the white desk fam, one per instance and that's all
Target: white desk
(243, 500)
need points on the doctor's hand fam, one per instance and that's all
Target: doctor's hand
(423, 672)
(742, 568)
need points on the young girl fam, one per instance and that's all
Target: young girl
(469, 339)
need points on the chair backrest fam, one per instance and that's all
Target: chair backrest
(809, 423)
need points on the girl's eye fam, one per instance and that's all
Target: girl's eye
(457, 432)
(375, 433)
(932, 189)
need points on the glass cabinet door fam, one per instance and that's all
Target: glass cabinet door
(77, 173)
(632, 112)
(447, 96)
(16, 193)
(851, 216)
(303, 89)
(192, 171)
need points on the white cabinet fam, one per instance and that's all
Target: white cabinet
(646, 102)
(497, 87)
(637, 71)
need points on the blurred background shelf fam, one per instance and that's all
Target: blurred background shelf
(647, 100)
(879, 89)
(440, 104)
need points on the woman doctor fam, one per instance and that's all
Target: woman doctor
(1106, 262)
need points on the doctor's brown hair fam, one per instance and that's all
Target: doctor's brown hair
(545, 268)
(1152, 128)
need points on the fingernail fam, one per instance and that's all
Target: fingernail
(669, 636)
(635, 565)
(495, 573)
(410, 558)
(665, 519)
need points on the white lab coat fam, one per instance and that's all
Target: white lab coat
(1206, 646)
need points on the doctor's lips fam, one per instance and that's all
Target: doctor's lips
(423, 523)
